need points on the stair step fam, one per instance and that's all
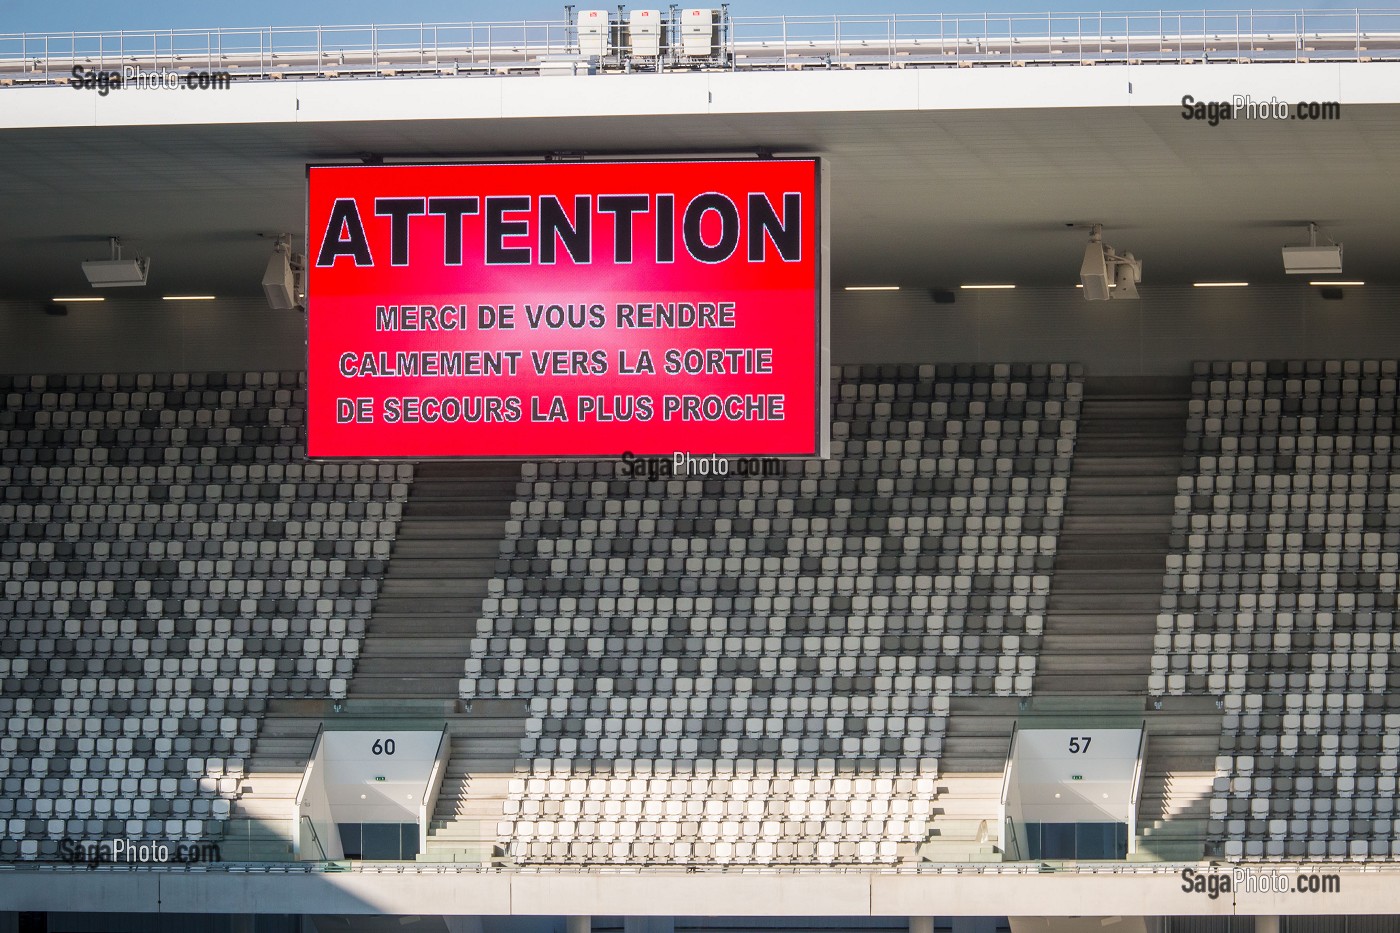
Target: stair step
(388, 686)
(1123, 484)
(1130, 463)
(1105, 602)
(1075, 684)
(1130, 446)
(463, 609)
(1096, 544)
(469, 469)
(449, 626)
(1106, 580)
(418, 568)
(1110, 560)
(1120, 505)
(422, 528)
(1103, 645)
(1138, 524)
(437, 548)
(410, 643)
(416, 587)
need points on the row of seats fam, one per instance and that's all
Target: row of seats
(784, 647)
(780, 811)
(112, 382)
(205, 474)
(1280, 596)
(169, 563)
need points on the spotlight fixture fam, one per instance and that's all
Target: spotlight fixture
(284, 279)
(1105, 274)
(110, 273)
(1313, 259)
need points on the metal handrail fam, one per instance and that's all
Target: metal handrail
(316, 837)
(747, 43)
(1015, 850)
(1010, 762)
(926, 868)
(1135, 795)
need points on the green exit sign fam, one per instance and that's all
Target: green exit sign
(380, 777)
(1072, 777)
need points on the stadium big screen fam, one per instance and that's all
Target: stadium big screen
(565, 309)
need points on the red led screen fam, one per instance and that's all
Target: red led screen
(564, 309)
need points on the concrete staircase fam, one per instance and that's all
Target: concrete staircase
(979, 735)
(259, 828)
(410, 661)
(485, 747)
(1112, 549)
(1177, 782)
(966, 821)
(448, 543)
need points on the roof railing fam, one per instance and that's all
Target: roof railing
(854, 41)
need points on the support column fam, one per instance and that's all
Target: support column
(649, 925)
(974, 925)
(462, 924)
(578, 925)
(1266, 925)
(920, 925)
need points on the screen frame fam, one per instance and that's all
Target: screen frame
(821, 288)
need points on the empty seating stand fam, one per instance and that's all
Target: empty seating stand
(169, 561)
(758, 668)
(1280, 598)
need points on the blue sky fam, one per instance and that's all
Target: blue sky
(68, 16)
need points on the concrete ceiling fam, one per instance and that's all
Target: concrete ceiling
(920, 198)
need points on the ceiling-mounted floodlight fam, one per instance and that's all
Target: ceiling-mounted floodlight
(1312, 259)
(110, 273)
(282, 280)
(1104, 273)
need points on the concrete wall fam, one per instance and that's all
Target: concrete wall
(151, 336)
(704, 93)
(1161, 334)
(965, 893)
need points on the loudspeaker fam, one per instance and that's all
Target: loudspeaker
(1093, 273)
(279, 282)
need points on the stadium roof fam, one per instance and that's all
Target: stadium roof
(939, 175)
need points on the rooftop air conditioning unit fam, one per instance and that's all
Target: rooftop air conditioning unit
(699, 32)
(593, 33)
(647, 33)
